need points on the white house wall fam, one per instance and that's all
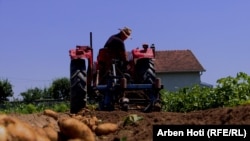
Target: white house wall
(175, 81)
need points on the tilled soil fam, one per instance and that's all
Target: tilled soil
(142, 129)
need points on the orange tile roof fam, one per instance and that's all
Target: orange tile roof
(177, 61)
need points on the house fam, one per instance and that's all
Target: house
(178, 69)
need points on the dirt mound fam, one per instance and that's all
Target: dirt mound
(141, 128)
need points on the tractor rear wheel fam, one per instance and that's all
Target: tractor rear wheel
(78, 89)
(145, 73)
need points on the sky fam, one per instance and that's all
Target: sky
(36, 36)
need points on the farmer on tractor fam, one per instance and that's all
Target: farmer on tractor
(115, 45)
(114, 79)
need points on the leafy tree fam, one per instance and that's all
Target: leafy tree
(60, 88)
(32, 94)
(5, 90)
(46, 94)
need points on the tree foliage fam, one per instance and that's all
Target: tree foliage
(32, 94)
(60, 88)
(5, 90)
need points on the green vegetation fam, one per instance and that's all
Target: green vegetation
(230, 91)
(34, 100)
(24, 108)
(5, 90)
(131, 119)
(59, 89)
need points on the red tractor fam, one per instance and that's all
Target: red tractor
(105, 83)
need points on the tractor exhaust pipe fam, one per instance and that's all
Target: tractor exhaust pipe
(90, 38)
(91, 63)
